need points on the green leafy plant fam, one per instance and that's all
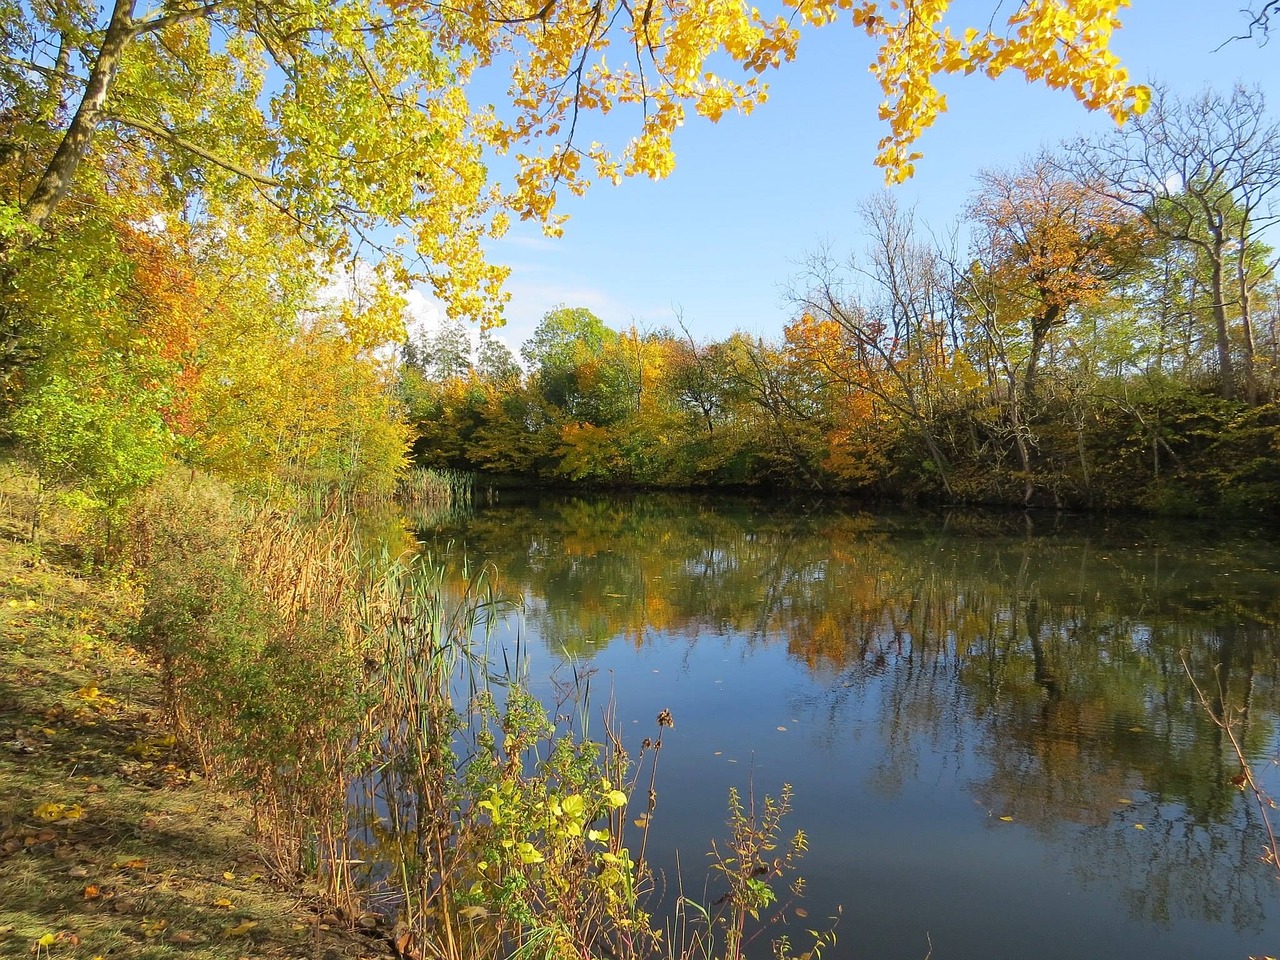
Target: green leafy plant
(751, 863)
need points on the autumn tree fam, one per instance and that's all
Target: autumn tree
(92, 417)
(698, 383)
(1044, 246)
(856, 431)
(779, 398)
(1047, 243)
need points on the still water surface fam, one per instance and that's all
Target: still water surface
(994, 743)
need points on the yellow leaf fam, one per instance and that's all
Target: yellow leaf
(228, 875)
(49, 812)
(49, 939)
(1007, 819)
(222, 902)
(240, 929)
(528, 853)
(1138, 826)
(1141, 99)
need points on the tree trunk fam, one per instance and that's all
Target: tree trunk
(56, 179)
(1040, 327)
(1020, 439)
(1226, 372)
(1246, 323)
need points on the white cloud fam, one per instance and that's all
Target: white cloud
(423, 314)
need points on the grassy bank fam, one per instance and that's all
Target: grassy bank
(111, 843)
(281, 656)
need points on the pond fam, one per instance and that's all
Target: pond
(989, 720)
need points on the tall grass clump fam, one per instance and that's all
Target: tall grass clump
(425, 486)
(247, 615)
(431, 497)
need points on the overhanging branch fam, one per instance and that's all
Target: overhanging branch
(182, 143)
(159, 20)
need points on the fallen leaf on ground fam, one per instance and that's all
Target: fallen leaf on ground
(53, 812)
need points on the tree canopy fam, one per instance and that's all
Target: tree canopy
(350, 116)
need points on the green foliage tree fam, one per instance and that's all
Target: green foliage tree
(565, 340)
(442, 353)
(495, 362)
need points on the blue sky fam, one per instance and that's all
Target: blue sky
(751, 196)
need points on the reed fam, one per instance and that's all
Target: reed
(421, 485)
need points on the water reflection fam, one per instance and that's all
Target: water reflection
(1039, 665)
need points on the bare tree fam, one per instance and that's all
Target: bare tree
(896, 313)
(1204, 173)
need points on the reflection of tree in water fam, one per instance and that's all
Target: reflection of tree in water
(1056, 659)
(1176, 869)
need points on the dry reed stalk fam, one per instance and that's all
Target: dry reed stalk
(1264, 802)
